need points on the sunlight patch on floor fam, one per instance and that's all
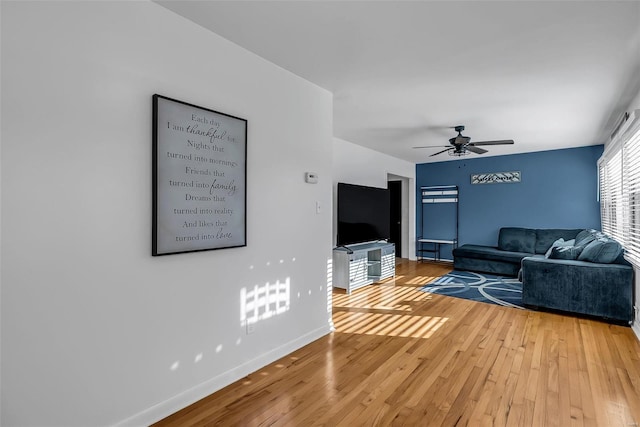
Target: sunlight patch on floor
(394, 325)
(382, 298)
(421, 280)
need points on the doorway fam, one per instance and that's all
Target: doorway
(395, 215)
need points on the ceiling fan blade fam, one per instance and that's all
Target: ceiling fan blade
(476, 149)
(440, 152)
(500, 142)
(432, 146)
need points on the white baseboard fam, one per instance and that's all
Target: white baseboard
(186, 398)
(636, 328)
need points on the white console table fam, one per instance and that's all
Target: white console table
(359, 265)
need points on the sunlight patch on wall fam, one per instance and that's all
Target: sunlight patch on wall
(197, 358)
(330, 292)
(263, 302)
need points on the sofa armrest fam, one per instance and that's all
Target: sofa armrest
(603, 290)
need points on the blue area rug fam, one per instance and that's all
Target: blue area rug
(488, 288)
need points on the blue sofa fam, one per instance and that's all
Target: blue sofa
(570, 270)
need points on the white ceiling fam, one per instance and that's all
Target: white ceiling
(547, 74)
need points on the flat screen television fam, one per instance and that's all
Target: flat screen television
(363, 214)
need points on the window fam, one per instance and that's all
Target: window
(631, 190)
(619, 188)
(611, 196)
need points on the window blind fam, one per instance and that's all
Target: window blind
(619, 189)
(631, 191)
(611, 196)
(615, 224)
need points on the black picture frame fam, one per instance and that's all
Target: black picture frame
(199, 178)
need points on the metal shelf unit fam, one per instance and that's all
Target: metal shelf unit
(427, 243)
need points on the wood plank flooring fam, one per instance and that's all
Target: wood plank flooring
(400, 356)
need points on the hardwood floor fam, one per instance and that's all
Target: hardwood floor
(400, 356)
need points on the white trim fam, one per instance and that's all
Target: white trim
(630, 125)
(621, 121)
(163, 409)
(616, 143)
(636, 328)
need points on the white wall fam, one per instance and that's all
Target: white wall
(354, 164)
(95, 331)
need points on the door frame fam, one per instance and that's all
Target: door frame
(405, 217)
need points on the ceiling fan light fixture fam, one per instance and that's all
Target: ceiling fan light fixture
(456, 153)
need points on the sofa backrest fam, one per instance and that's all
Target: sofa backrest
(529, 240)
(595, 246)
(517, 239)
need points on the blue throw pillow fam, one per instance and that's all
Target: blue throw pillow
(601, 250)
(566, 252)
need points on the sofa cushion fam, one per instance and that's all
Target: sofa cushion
(603, 250)
(517, 239)
(545, 237)
(565, 252)
(489, 253)
(499, 268)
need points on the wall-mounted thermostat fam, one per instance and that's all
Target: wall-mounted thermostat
(311, 177)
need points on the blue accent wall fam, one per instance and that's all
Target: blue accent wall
(558, 190)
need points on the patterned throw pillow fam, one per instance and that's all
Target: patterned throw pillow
(558, 244)
(566, 252)
(586, 236)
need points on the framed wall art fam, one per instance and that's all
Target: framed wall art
(199, 178)
(496, 178)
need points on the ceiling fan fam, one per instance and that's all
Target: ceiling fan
(460, 145)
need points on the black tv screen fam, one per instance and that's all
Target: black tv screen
(363, 214)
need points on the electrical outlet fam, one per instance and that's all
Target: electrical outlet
(251, 328)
